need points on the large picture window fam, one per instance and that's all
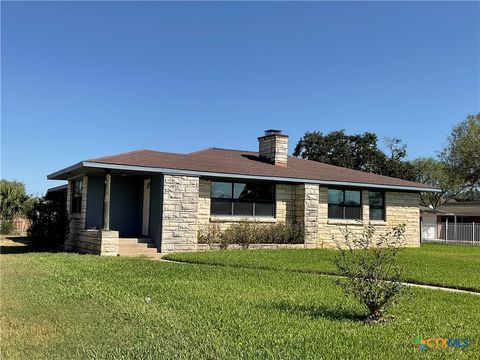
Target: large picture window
(376, 200)
(242, 199)
(344, 204)
(76, 196)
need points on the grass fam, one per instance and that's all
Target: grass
(456, 266)
(57, 306)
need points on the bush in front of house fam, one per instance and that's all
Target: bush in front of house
(369, 267)
(6, 227)
(245, 233)
(48, 225)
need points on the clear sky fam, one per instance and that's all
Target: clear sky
(82, 80)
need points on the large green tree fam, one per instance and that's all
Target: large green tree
(435, 173)
(358, 152)
(462, 153)
(13, 199)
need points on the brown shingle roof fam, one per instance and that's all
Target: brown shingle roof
(214, 160)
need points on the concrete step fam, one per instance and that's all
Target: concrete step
(137, 247)
(135, 240)
(139, 254)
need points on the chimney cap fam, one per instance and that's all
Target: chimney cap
(273, 132)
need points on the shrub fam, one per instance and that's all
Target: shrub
(245, 233)
(370, 269)
(48, 224)
(6, 227)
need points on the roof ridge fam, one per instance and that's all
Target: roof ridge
(133, 152)
(237, 150)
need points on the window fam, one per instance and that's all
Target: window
(76, 196)
(242, 199)
(376, 200)
(344, 204)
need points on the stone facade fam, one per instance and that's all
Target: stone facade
(79, 239)
(401, 208)
(186, 209)
(308, 212)
(180, 213)
(285, 202)
(284, 205)
(274, 148)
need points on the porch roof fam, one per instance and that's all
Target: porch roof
(214, 162)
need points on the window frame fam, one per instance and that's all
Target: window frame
(76, 199)
(232, 200)
(343, 205)
(383, 207)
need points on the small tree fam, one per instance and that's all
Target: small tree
(13, 199)
(369, 266)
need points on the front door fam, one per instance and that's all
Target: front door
(146, 207)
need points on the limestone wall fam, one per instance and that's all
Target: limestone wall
(179, 215)
(284, 203)
(401, 208)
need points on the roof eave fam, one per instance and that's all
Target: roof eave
(59, 175)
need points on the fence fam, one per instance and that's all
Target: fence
(468, 233)
(20, 226)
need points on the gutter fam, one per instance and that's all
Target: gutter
(179, 172)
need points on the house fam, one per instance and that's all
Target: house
(146, 201)
(452, 221)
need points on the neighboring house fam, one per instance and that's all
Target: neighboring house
(115, 202)
(453, 211)
(454, 220)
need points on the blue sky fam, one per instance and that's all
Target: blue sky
(82, 80)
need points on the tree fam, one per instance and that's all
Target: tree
(435, 173)
(369, 267)
(13, 199)
(358, 152)
(462, 153)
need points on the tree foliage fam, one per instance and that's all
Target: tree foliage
(435, 173)
(13, 198)
(358, 152)
(462, 153)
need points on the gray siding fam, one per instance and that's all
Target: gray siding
(126, 203)
(95, 190)
(156, 206)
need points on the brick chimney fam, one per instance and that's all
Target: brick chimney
(273, 146)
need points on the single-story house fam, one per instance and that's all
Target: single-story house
(453, 220)
(453, 211)
(148, 201)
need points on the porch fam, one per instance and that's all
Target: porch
(110, 213)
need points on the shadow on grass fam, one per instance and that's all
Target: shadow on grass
(21, 249)
(19, 245)
(319, 311)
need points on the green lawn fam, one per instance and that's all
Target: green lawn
(455, 266)
(65, 306)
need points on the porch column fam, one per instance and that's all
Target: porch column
(106, 200)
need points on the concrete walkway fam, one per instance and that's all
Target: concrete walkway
(429, 287)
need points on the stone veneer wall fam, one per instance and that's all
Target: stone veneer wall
(401, 208)
(284, 202)
(79, 239)
(180, 213)
(307, 211)
(274, 148)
